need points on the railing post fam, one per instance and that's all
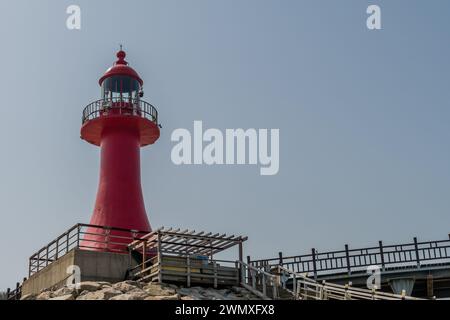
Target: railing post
(253, 278)
(215, 274)
(274, 291)
(78, 236)
(347, 258)
(144, 254)
(264, 284)
(188, 260)
(380, 243)
(239, 275)
(416, 249)
(249, 273)
(67, 242)
(241, 251)
(294, 286)
(280, 257)
(159, 258)
(46, 256)
(313, 251)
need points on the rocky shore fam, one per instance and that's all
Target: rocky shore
(132, 290)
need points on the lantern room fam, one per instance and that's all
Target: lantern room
(121, 82)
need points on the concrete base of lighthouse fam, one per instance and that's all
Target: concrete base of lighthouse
(94, 266)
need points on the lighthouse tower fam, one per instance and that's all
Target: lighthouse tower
(120, 123)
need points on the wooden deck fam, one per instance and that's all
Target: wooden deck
(186, 257)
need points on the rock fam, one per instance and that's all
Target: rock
(138, 292)
(126, 296)
(125, 286)
(158, 290)
(66, 297)
(172, 297)
(89, 286)
(214, 295)
(28, 297)
(184, 291)
(103, 294)
(65, 291)
(237, 289)
(46, 295)
(83, 293)
(196, 293)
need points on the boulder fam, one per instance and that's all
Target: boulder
(66, 297)
(159, 290)
(46, 295)
(65, 291)
(127, 296)
(103, 294)
(28, 297)
(138, 292)
(172, 297)
(89, 286)
(125, 286)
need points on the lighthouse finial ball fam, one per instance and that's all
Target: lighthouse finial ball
(121, 56)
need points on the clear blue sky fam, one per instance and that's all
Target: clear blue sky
(364, 118)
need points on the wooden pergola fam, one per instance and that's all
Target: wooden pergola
(186, 256)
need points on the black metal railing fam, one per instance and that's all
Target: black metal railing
(118, 105)
(407, 255)
(16, 293)
(85, 237)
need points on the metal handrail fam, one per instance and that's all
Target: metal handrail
(305, 288)
(251, 277)
(74, 238)
(406, 255)
(134, 107)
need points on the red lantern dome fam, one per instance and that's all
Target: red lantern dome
(121, 68)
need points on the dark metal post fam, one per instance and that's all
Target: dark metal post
(416, 248)
(347, 258)
(280, 256)
(159, 258)
(241, 258)
(67, 242)
(381, 254)
(313, 251)
(78, 236)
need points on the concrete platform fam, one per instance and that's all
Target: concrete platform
(94, 266)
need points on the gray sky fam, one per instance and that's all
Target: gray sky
(363, 117)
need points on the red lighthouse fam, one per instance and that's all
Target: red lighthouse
(120, 123)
